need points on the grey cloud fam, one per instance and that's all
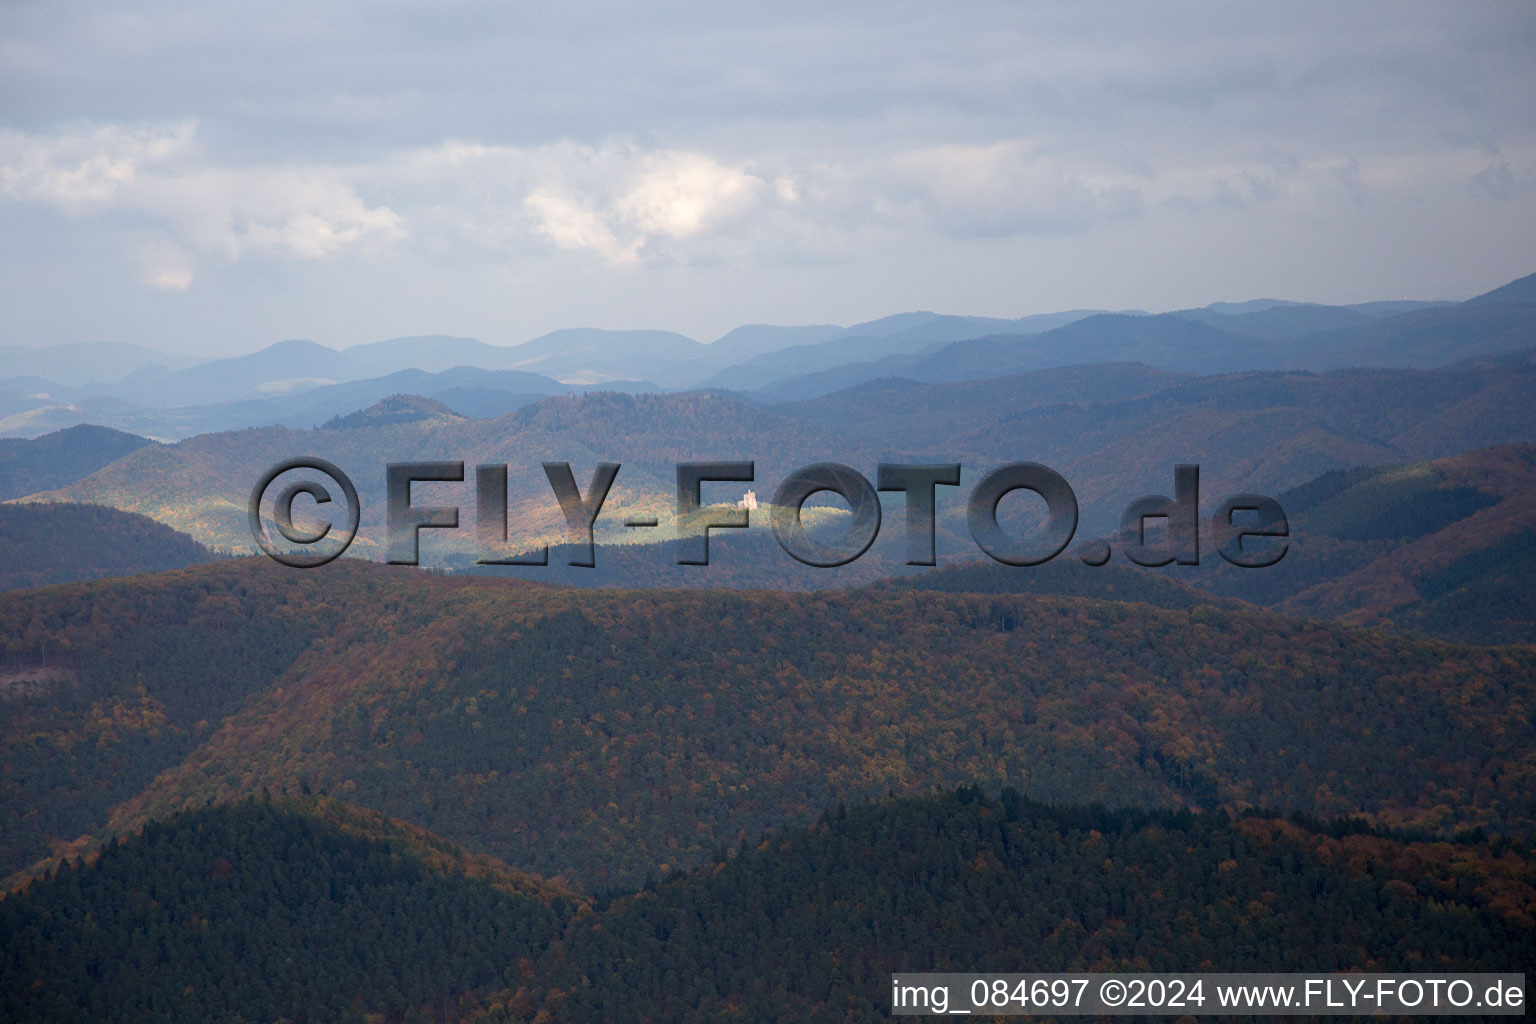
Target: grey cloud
(299, 74)
(585, 146)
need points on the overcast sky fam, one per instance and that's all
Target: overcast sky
(201, 179)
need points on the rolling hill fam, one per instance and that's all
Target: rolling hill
(898, 413)
(59, 459)
(594, 736)
(1165, 342)
(810, 926)
(194, 918)
(1437, 547)
(1424, 338)
(1521, 291)
(394, 410)
(200, 918)
(61, 543)
(1442, 548)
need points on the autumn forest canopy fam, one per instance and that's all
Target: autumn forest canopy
(645, 791)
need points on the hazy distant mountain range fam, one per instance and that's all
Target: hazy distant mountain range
(1113, 430)
(302, 384)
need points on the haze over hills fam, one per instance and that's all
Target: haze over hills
(1279, 337)
(1426, 338)
(167, 398)
(890, 336)
(81, 363)
(233, 379)
(478, 393)
(1113, 431)
(1281, 320)
(907, 414)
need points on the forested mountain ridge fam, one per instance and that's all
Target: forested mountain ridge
(593, 736)
(61, 543)
(61, 458)
(1494, 489)
(197, 917)
(1442, 547)
(107, 683)
(810, 926)
(269, 909)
